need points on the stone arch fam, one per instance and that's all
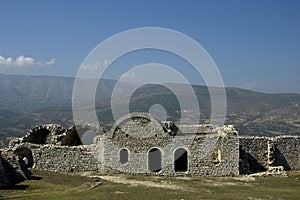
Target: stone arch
(38, 135)
(154, 160)
(131, 116)
(124, 156)
(46, 134)
(22, 152)
(180, 160)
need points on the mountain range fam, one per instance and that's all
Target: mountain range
(28, 101)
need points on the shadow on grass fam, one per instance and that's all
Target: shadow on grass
(35, 178)
(14, 187)
(19, 187)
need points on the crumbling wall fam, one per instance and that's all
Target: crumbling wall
(287, 152)
(208, 150)
(53, 148)
(255, 153)
(62, 158)
(39, 135)
(45, 134)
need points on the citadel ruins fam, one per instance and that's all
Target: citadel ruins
(139, 143)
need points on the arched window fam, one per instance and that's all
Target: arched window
(123, 156)
(180, 160)
(154, 160)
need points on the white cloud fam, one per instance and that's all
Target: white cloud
(94, 65)
(91, 65)
(50, 62)
(5, 61)
(23, 61)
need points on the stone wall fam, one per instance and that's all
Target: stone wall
(66, 159)
(210, 152)
(48, 151)
(63, 158)
(253, 154)
(287, 152)
(138, 143)
(256, 152)
(200, 155)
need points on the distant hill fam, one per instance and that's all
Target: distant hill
(22, 94)
(252, 113)
(27, 101)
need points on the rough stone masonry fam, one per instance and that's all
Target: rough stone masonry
(138, 143)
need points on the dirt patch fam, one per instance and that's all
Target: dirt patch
(229, 181)
(244, 178)
(184, 178)
(159, 182)
(136, 183)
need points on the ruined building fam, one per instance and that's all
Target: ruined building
(138, 143)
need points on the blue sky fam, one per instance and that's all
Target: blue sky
(255, 44)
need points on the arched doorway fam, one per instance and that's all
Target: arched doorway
(180, 160)
(25, 160)
(154, 160)
(23, 152)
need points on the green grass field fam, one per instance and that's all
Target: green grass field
(49, 185)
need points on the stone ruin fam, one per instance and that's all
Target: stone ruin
(38, 146)
(270, 155)
(138, 143)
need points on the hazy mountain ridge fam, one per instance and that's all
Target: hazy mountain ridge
(23, 94)
(27, 101)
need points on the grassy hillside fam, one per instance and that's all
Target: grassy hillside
(49, 185)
